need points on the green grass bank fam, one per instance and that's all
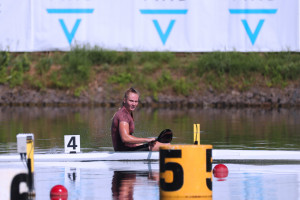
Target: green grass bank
(91, 70)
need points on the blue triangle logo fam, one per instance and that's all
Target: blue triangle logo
(164, 36)
(69, 35)
(253, 35)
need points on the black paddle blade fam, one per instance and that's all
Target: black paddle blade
(165, 136)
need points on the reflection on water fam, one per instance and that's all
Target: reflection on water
(136, 180)
(100, 180)
(223, 128)
(124, 183)
(259, 182)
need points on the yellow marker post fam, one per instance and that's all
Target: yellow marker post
(197, 134)
(30, 152)
(30, 164)
(186, 172)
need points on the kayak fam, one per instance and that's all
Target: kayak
(218, 155)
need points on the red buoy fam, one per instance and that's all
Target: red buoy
(59, 198)
(59, 192)
(220, 171)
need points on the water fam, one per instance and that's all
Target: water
(223, 128)
(102, 180)
(276, 129)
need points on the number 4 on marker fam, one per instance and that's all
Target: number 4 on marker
(72, 143)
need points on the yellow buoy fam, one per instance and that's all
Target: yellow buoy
(186, 171)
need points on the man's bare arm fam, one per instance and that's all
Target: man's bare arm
(127, 138)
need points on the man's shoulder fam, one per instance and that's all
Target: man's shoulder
(121, 113)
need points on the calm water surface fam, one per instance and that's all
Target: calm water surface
(223, 128)
(277, 129)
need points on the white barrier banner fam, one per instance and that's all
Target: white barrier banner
(15, 25)
(150, 25)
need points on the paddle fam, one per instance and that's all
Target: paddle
(165, 136)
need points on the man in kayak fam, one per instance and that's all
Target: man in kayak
(123, 126)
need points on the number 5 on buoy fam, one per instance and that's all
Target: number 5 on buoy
(185, 171)
(72, 143)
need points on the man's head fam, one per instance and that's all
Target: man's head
(131, 99)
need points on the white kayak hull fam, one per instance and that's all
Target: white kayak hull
(218, 155)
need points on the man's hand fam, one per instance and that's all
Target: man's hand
(151, 142)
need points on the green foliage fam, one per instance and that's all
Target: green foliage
(277, 68)
(165, 79)
(281, 67)
(182, 87)
(16, 73)
(44, 65)
(15, 78)
(22, 63)
(153, 72)
(36, 83)
(124, 58)
(4, 60)
(156, 57)
(75, 70)
(56, 80)
(291, 71)
(121, 78)
(99, 56)
(215, 80)
(232, 63)
(149, 68)
(3, 75)
(152, 85)
(78, 91)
